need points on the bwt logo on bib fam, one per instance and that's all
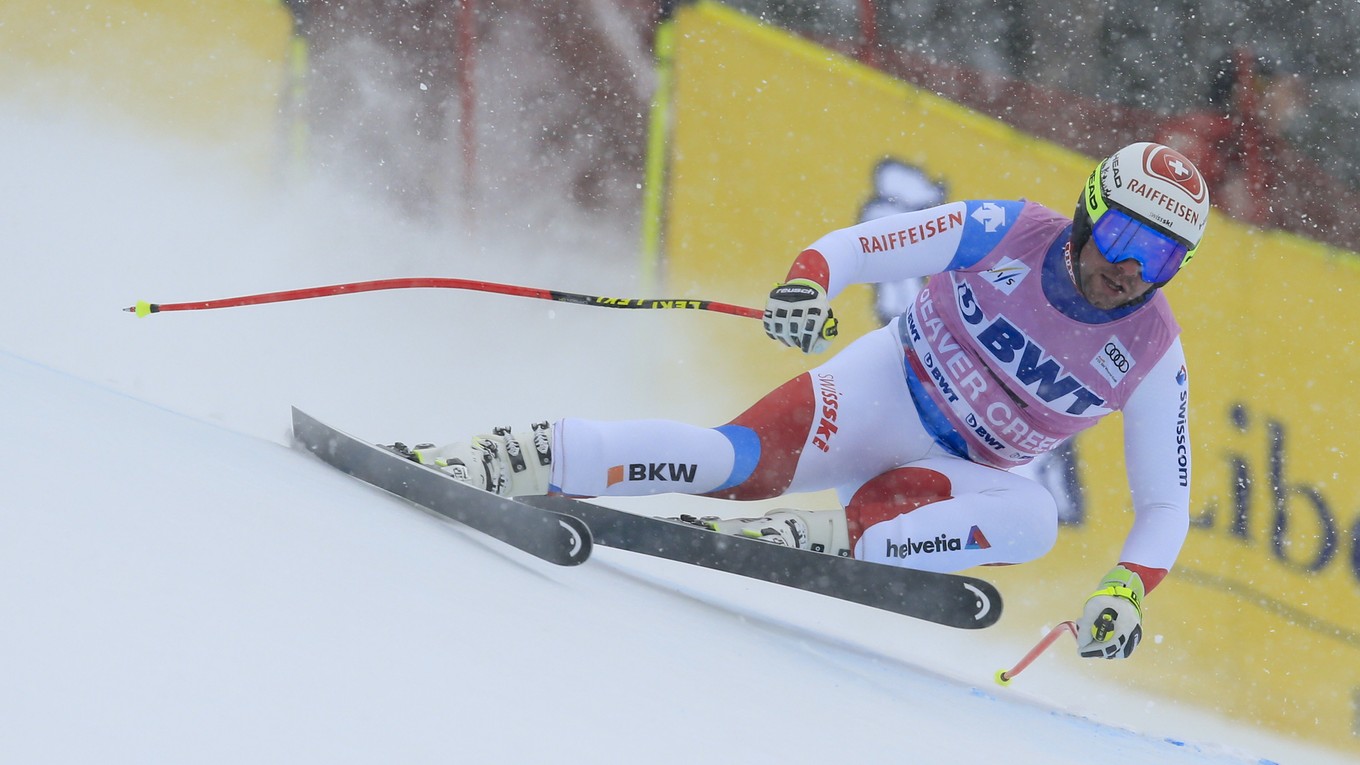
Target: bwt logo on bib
(652, 471)
(1026, 361)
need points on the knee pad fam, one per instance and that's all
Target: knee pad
(891, 494)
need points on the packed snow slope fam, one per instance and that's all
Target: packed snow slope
(178, 584)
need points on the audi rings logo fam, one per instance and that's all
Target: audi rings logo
(1117, 357)
(1113, 361)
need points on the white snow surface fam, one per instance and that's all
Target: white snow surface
(179, 585)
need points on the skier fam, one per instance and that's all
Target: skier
(1033, 327)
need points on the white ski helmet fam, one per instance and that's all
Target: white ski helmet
(1146, 202)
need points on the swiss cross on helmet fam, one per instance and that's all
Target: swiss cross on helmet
(1145, 202)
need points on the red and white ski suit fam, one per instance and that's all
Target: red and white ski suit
(916, 425)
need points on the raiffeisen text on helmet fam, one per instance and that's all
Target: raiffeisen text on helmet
(1170, 204)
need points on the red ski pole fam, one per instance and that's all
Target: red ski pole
(1005, 676)
(143, 308)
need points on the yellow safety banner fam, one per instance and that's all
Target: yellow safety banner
(776, 141)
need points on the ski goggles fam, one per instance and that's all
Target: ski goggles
(1119, 236)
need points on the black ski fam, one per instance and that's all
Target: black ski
(554, 537)
(950, 599)
(562, 531)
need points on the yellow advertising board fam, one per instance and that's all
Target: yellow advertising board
(775, 141)
(210, 70)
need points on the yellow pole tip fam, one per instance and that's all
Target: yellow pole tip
(142, 308)
(1001, 678)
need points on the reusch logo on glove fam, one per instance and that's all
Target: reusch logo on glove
(797, 292)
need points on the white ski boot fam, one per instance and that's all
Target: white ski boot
(816, 530)
(494, 462)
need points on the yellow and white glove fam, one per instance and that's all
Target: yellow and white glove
(1111, 625)
(798, 314)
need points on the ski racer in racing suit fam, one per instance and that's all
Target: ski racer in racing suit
(1034, 326)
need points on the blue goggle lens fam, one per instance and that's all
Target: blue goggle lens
(1120, 237)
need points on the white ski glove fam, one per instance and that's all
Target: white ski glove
(798, 314)
(1112, 623)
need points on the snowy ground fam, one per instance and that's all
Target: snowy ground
(177, 585)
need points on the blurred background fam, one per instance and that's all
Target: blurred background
(1261, 94)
